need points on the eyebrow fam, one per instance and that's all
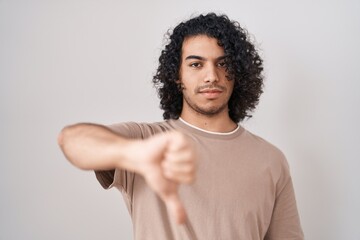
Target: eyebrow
(202, 58)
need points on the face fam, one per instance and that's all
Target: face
(206, 89)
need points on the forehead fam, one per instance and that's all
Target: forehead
(201, 45)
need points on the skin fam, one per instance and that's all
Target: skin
(164, 160)
(206, 89)
(169, 159)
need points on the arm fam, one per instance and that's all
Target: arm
(96, 147)
(164, 160)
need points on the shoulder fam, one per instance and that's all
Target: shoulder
(266, 149)
(270, 157)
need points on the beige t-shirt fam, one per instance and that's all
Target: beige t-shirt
(243, 189)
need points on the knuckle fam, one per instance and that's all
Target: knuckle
(189, 170)
(168, 174)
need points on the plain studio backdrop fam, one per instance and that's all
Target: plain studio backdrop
(63, 62)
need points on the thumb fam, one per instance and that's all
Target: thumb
(175, 208)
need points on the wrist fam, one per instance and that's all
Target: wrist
(129, 157)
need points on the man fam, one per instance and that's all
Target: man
(209, 78)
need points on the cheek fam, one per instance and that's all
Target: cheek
(188, 87)
(230, 85)
(189, 81)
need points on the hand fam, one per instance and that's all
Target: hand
(168, 160)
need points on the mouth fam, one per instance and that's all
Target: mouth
(211, 93)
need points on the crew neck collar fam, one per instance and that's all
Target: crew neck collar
(181, 123)
(210, 132)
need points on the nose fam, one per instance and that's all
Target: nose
(211, 74)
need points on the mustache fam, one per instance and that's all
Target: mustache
(210, 87)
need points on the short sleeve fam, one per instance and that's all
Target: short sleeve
(120, 178)
(285, 221)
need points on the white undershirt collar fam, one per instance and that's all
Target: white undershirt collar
(200, 129)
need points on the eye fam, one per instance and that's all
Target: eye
(222, 64)
(195, 65)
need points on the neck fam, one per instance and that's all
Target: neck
(221, 123)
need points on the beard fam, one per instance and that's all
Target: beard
(207, 111)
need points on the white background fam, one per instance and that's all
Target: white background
(64, 62)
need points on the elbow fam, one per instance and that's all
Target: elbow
(60, 139)
(69, 141)
(64, 141)
(63, 136)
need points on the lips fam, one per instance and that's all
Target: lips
(210, 90)
(211, 93)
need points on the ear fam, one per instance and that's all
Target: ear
(180, 85)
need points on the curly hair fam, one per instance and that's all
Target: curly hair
(244, 65)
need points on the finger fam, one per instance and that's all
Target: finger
(178, 166)
(183, 174)
(182, 156)
(177, 141)
(179, 171)
(175, 208)
(180, 177)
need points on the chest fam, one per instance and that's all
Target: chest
(232, 182)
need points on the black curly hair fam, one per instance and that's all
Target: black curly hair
(244, 65)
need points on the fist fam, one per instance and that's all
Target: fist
(169, 160)
(179, 158)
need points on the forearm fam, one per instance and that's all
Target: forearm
(95, 147)
(164, 160)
